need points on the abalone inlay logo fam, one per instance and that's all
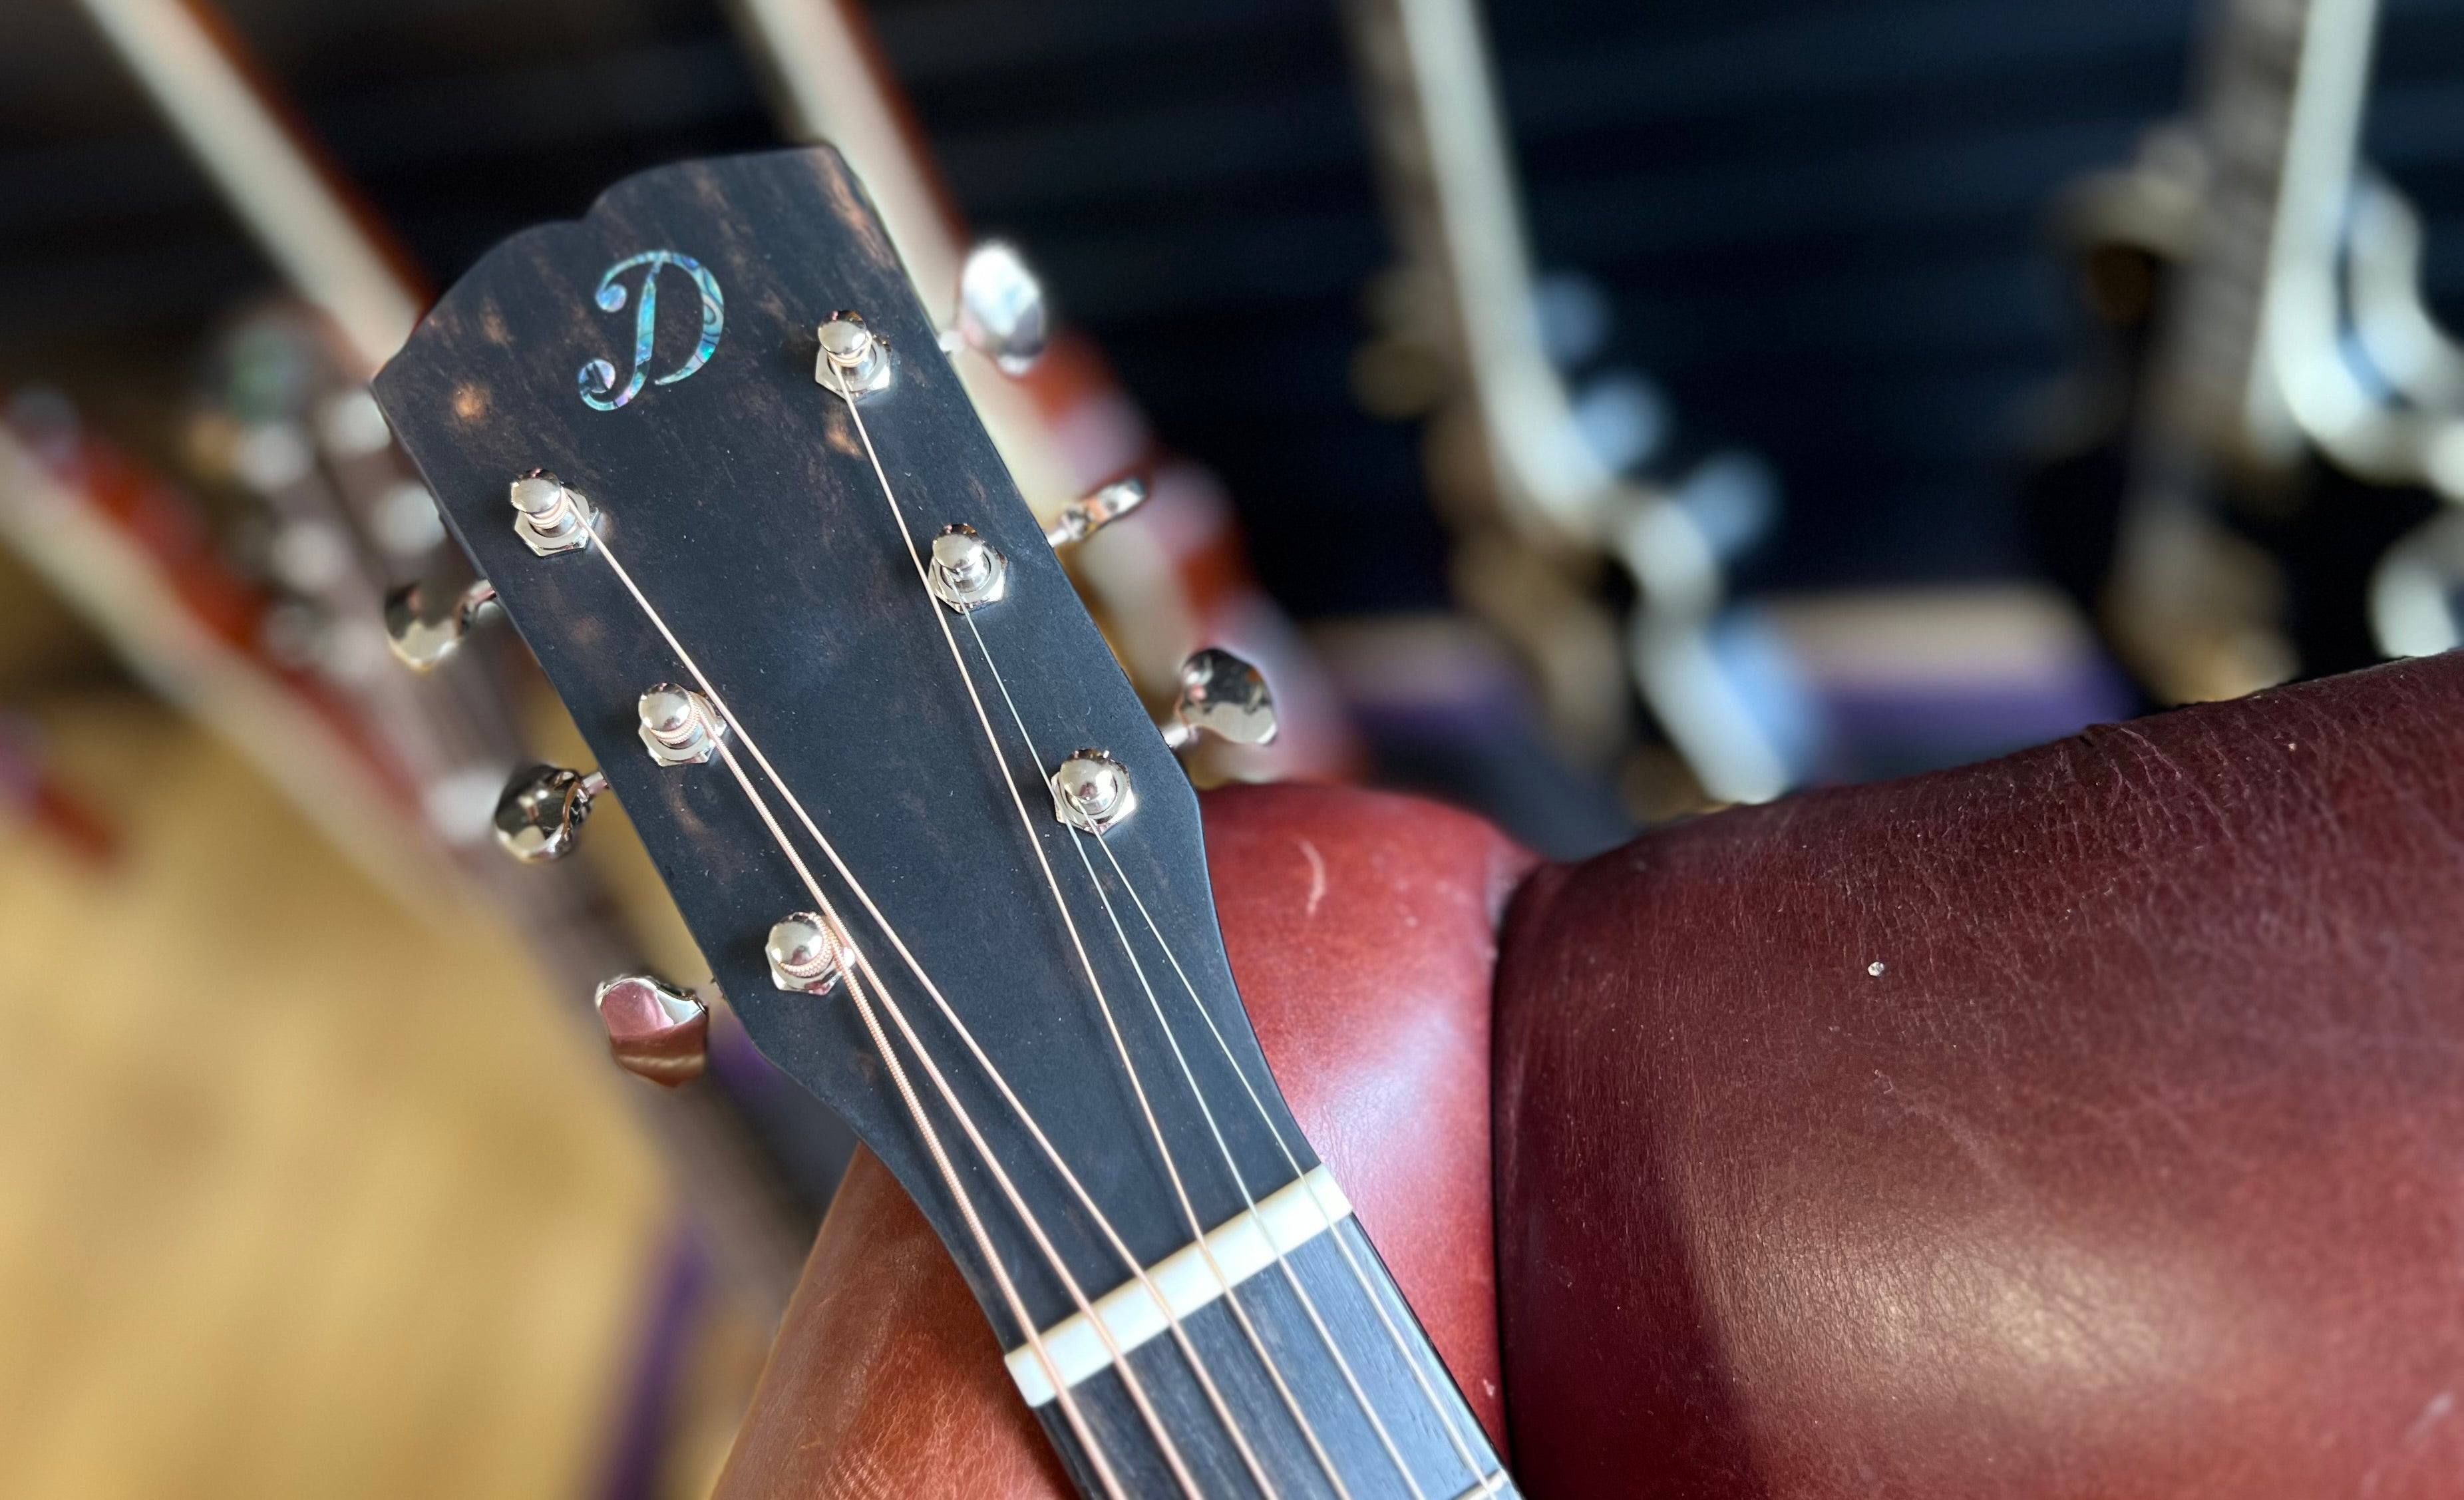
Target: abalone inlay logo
(598, 377)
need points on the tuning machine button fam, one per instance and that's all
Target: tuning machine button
(654, 1030)
(807, 952)
(422, 636)
(549, 514)
(965, 572)
(1082, 517)
(540, 814)
(679, 727)
(1092, 791)
(1224, 696)
(1001, 312)
(853, 358)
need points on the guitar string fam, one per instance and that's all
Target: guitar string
(949, 1173)
(1232, 1299)
(950, 1100)
(1446, 1419)
(1240, 1179)
(1113, 1237)
(1130, 1377)
(1359, 1274)
(1198, 1233)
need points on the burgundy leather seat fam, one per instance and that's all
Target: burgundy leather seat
(2089, 1122)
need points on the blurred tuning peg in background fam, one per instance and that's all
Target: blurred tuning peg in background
(421, 634)
(1000, 307)
(542, 809)
(1220, 695)
(658, 1031)
(1081, 519)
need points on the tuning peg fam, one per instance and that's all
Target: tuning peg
(807, 952)
(541, 811)
(1000, 307)
(850, 358)
(422, 635)
(1082, 517)
(1224, 695)
(654, 1029)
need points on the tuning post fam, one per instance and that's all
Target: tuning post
(1220, 695)
(540, 814)
(679, 727)
(965, 572)
(654, 1030)
(853, 359)
(807, 952)
(550, 515)
(423, 636)
(1091, 792)
(1084, 516)
(1000, 307)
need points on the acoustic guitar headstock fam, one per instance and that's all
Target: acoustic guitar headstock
(711, 457)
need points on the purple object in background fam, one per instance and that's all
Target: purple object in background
(1910, 680)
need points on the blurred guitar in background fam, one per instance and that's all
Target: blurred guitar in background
(271, 629)
(2244, 481)
(1615, 587)
(1534, 478)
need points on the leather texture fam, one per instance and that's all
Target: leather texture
(2087, 1123)
(1362, 928)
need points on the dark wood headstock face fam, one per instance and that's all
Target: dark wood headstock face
(744, 502)
(741, 502)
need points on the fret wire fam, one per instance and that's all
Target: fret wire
(1359, 1274)
(940, 1157)
(1198, 1230)
(1240, 1179)
(1137, 1271)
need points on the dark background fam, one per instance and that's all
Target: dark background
(1821, 221)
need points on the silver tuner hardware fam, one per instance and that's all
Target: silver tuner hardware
(965, 572)
(654, 1030)
(1221, 695)
(541, 811)
(1000, 307)
(852, 357)
(422, 635)
(807, 952)
(1081, 519)
(679, 727)
(1092, 791)
(549, 514)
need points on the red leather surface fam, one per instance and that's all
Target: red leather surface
(1362, 928)
(2137, 1168)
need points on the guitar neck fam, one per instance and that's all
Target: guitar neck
(2280, 89)
(1381, 1407)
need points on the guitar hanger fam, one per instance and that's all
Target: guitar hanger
(1541, 506)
